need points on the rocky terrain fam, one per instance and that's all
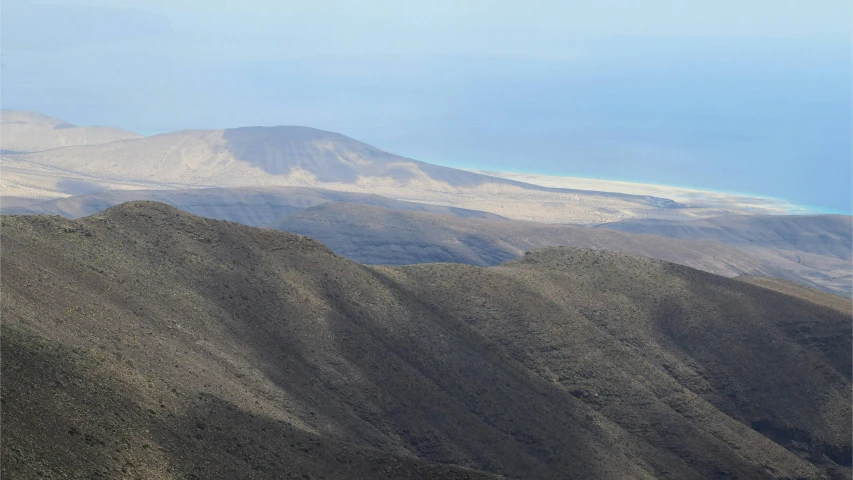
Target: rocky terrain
(378, 235)
(249, 206)
(815, 248)
(146, 342)
(380, 230)
(384, 236)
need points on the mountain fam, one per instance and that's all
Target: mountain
(798, 290)
(294, 156)
(816, 247)
(378, 235)
(379, 230)
(148, 342)
(24, 131)
(232, 157)
(249, 206)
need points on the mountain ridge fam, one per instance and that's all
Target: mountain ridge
(565, 363)
(247, 205)
(366, 233)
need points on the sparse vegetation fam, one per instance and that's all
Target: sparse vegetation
(294, 361)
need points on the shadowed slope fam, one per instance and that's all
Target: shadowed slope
(376, 235)
(332, 157)
(564, 364)
(249, 206)
(95, 421)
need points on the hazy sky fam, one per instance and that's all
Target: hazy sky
(751, 96)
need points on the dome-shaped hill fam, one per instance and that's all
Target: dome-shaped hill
(254, 156)
(157, 222)
(573, 258)
(293, 156)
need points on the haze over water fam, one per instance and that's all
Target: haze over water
(740, 97)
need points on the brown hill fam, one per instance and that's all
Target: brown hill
(147, 342)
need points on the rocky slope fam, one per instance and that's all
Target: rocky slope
(383, 236)
(148, 342)
(249, 206)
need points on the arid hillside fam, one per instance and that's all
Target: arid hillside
(33, 132)
(145, 342)
(817, 248)
(250, 206)
(377, 235)
(829, 235)
(383, 236)
(295, 156)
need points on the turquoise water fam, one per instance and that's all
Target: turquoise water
(760, 116)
